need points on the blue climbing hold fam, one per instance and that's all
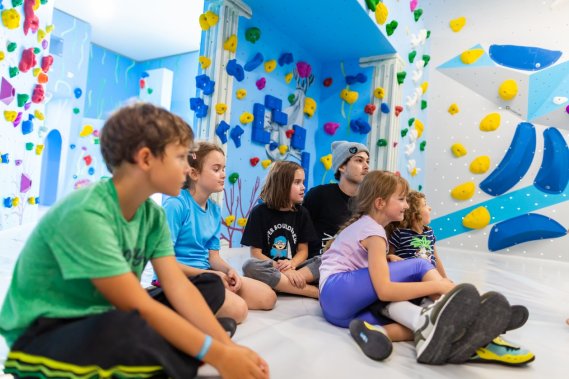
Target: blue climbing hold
(385, 108)
(197, 105)
(77, 92)
(285, 58)
(254, 62)
(524, 228)
(553, 174)
(144, 75)
(360, 126)
(359, 78)
(273, 145)
(523, 57)
(515, 163)
(204, 83)
(235, 69)
(235, 135)
(91, 171)
(221, 131)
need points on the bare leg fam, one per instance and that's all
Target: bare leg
(233, 307)
(257, 294)
(397, 332)
(285, 285)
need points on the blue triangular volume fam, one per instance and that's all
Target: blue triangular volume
(544, 86)
(483, 61)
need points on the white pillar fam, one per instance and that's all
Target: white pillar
(386, 126)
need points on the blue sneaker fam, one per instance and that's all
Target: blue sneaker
(502, 352)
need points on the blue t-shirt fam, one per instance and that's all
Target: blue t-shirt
(407, 243)
(194, 231)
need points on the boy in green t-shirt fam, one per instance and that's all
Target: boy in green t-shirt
(75, 306)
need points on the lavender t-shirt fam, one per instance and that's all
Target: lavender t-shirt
(347, 253)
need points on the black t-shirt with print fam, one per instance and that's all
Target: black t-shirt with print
(278, 233)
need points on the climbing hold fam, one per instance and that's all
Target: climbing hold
(241, 93)
(309, 106)
(369, 109)
(254, 161)
(372, 4)
(254, 62)
(233, 178)
(348, 96)
(266, 163)
(558, 100)
(11, 46)
(15, 201)
(379, 93)
(291, 99)
(331, 127)
(381, 142)
(235, 69)
(11, 18)
(205, 62)
(412, 168)
(253, 34)
(28, 60)
(10, 116)
(289, 133)
(523, 57)
(426, 59)
(412, 56)
(463, 191)
(553, 173)
(425, 87)
(42, 78)
(471, 56)
(453, 109)
(221, 131)
(359, 78)
(220, 108)
(18, 119)
(242, 221)
(423, 104)
(204, 83)
(270, 65)
(39, 149)
(38, 94)
(88, 160)
(508, 89)
(261, 83)
(22, 99)
(76, 110)
(457, 24)
(40, 116)
(490, 123)
(477, 218)
(46, 63)
(390, 28)
(419, 126)
(41, 35)
(283, 149)
(246, 118)
(413, 4)
(86, 131)
(231, 43)
(480, 164)
(381, 13)
(398, 110)
(401, 77)
(229, 220)
(304, 69)
(13, 71)
(458, 150)
(199, 107)
(360, 126)
(285, 58)
(327, 82)
(417, 13)
(235, 135)
(273, 145)
(288, 77)
(207, 20)
(326, 160)
(422, 145)
(385, 108)
(404, 132)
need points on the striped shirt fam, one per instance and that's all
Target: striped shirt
(407, 243)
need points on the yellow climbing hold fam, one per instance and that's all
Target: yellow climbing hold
(49, 28)
(15, 201)
(381, 13)
(327, 161)
(229, 220)
(36, 71)
(471, 56)
(40, 116)
(220, 108)
(453, 109)
(11, 18)
(490, 123)
(205, 62)
(203, 22)
(270, 65)
(425, 86)
(463, 191)
(480, 164)
(379, 93)
(508, 89)
(86, 131)
(241, 221)
(458, 150)
(31, 200)
(39, 149)
(457, 24)
(419, 126)
(283, 149)
(36, 5)
(10, 116)
(241, 93)
(2, 56)
(348, 96)
(477, 219)
(231, 43)
(208, 19)
(266, 163)
(246, 118)
(309, 106)
(41, 35)
(288, 77)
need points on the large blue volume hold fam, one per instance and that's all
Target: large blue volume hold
(553, 174)
(523, 57)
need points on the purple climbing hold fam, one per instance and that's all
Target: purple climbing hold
(18, 162)
(25, 183)
(7, 92)
(261, 83)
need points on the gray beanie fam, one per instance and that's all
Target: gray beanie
(344, 150)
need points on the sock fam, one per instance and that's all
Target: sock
(403, 312)
(426, 302)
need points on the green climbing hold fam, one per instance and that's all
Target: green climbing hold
(23, 99)
(17, 3)
(150, 90)
(381, 142)
(423, 104)
(13, 71)
(76, 110)
(404, 132)
(29, 146)
(253, 34)
(426, 59)
(412, 56)
(37, 50)
(43, 1)
(420, 188)
(428, 33)
(233, 178)
(96, 140)
(417, 14)
(401, 77)
(291, 99)
(390, 28)
(423, 145)
(11, 46)
(372, 4)
(411, 121)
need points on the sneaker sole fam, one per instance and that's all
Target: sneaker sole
(491, 320)
(520, 315)
(452, 318)
(373, 343)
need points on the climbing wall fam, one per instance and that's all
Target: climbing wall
(25, 64)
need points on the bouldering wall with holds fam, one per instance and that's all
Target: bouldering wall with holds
(25, 66)
(499, 111)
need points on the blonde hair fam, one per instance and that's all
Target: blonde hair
(276, 190)
(196, 159)
(376, 184)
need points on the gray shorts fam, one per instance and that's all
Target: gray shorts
(263, 270)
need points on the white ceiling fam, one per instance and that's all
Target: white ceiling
(140, 29)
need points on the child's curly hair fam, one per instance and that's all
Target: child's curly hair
(413, 213)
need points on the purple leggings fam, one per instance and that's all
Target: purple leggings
(348, 295)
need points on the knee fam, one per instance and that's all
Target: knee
(249, 268)
(269, 300)
(240, 310)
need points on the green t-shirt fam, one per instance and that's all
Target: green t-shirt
(83, 237)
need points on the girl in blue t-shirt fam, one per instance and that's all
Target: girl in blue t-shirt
(195, 224)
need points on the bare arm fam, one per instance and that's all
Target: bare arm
(300, 256)
(391, 291)
(440, 266)
(258, 253)
(217, 263)
(190, 271)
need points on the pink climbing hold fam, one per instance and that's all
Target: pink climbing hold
(304, 69)
(28, 60)
(369, 109)
(25, 183)
(331, 127)
(413, 5)
(567, 109)
(46, 63)
(88, 160)
(39, 94)
(398, 110)
(32, 21)
(261, 83)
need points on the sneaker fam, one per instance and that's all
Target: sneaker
(372, 339)
(228, 324)
(490, 321)
(519, 317)
(443, 322)
(502, 352)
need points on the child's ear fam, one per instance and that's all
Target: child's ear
(193, 174)
(143, 157)
(378, 203)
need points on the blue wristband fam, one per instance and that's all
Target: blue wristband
(205, 348)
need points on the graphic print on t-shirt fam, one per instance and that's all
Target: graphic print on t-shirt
(280, 248)
(281, 238)
(423, 246)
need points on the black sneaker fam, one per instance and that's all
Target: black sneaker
(519, 317)
(372, 339)
(228, 324)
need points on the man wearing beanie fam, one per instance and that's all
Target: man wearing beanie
(328, 204)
